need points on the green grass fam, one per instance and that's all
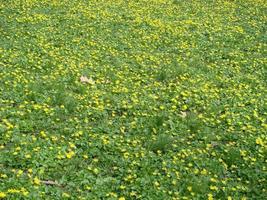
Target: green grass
(174, 106)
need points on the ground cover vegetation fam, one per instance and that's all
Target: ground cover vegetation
(133, 99)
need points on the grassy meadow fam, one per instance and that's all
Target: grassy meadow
(133, 99)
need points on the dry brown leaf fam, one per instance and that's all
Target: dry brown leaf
(85, 79)
(183, 114)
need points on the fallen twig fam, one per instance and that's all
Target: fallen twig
(48, 182)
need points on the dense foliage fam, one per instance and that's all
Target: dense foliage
(133, 99)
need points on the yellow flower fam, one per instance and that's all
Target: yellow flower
(43, 134)
(156, 183)
(189, 188)
(70, 154)
(259, 141)
(72, 145)
(36, 181)
(184, 107)
(121, 198)
(25, 192)
(212, 187)
(122, 187)
(204, 172)
(213, 180)
(96, 170)
(13, 191)
(19, 172)
(66, 195)
(28, 156)
(210, 197)
(2, 195)
(3, 175)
